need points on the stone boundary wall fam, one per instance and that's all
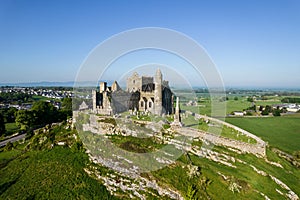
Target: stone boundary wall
(219, 140)
(198, 116)
(259, 148)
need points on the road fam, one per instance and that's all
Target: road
(13, 139)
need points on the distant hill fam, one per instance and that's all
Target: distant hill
(40, 84)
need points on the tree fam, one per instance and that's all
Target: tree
(250, 99)
(67, 103)
(265, 112)
(2, 125)
(268, 108)
(8, 114)
(24, 119)
(276, 112)
(67, 107)
(236, 98)
(9, 146)
(44, 113)
(223, 99)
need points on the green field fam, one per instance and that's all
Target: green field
(281, 132)
(204, 107)
(11, 128)
(40, 98)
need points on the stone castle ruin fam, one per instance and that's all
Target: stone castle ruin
(145, 94)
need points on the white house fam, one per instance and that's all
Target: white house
(238, 113)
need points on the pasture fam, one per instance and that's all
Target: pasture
(280, 132)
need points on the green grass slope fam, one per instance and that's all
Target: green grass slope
(48, 173)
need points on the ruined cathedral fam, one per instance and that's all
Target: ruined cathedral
(145, 94)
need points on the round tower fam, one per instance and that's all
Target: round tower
(158, 92)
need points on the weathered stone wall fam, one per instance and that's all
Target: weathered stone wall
(259, 148)
(120, 101)
(147, 80)
(103, 103)
(134, 83)
(256, 149)
(147, 97)
(259, 140)
(167, 101)
(151, 92)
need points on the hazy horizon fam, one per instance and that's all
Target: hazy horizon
(92, 84)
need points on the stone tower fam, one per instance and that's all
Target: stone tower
(177, 118)
(94, 96)
(158, 92)
(102, 86)
(115, 87)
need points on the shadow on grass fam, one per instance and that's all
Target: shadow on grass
(7, 185)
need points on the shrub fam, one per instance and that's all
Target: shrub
(9, 146)
(248, 113)
(265, 112)
(166, 126)
(276, 113)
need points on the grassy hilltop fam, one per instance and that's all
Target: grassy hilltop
(53, 163)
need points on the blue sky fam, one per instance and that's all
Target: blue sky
(252, 43)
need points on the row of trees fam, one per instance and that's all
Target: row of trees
(268, 109)
(290, 100)
(9, 114)
(11, 97)
(264, 110)
(2, 125)
(43, 113)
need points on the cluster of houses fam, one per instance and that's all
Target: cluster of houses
(191, 103)
(28, 106)
(49, 93)
(290, 107)
(23, 106)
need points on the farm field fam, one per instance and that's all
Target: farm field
(231, 105)
(11, 128)
(280, 132)
(40, 98)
